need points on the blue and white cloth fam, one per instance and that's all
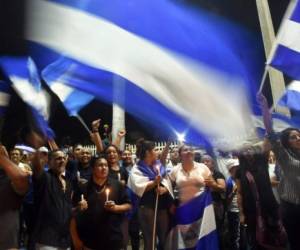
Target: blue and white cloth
(141, 175)
(195, 225)
(5, 94)
(56, 75)
(170, 58)
(23, 74)
(285, 55)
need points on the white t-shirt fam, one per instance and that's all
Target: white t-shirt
(189, 184)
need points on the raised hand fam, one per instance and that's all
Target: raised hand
(96, 125)
(122, 133)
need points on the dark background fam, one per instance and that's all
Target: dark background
(243, 12)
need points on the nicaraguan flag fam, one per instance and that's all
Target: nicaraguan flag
(181, 70)
(22, 72)
(56, 75)
(280, 122)
(141, 175)
(5, 94)
(195, 225)
(286, 50)
(291, 97)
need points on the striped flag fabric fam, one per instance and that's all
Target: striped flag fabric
(285, 55)
(291, 97)
(56, 75)
(195, 225)
(170, 58)
(23, 74)
(5, 94)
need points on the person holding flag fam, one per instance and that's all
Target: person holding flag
(149, 182)
(195, 225)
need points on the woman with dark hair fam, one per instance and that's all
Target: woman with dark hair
(102, 204)
(254, 189)
(112, 155)
(286, 148)
(119, 173)
(147, 180)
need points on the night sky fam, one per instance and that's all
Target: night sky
(242, 12)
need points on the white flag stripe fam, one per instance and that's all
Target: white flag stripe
(208, 221)
(118, 49)
(4, 99)
(61, 90)
(294, 85)
(38, 99)
(290, 35)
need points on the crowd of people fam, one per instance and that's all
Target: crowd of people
(55, 199)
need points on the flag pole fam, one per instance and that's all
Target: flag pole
(155, 211)
(83, 123)
(268, 35)
(155, 219)
(262, 83)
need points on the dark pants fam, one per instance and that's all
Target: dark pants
(234, 230)
(146, 216)
(291, 221)
(134, 232)
(29, 217)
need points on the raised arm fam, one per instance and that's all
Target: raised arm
(95, 136)
(164, 154)
(267, 117)
(121, 134)
(18, 177)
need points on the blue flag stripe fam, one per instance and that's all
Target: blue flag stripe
(296, 14)
(193, 210)
(288, 61)
(202, 75)
(208, 242)
(59, 72)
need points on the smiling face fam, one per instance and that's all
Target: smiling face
(127, 157)
(100, 169)
(85, 156)
(112, 155)
(15, 156)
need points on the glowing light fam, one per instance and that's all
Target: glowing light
(180, 137)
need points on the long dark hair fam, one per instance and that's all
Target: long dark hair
(257, 165)
(142, 147)
(284, 138)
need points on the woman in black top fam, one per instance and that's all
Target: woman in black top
(253, 176)
(98, 224)
(116, 171)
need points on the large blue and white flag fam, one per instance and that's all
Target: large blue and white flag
(291, 97)
(5, 94)
(181, 69)
(56, 75)
(22, 72)
(285, 54)
(195, 225)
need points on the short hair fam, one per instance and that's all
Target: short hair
(96, 158)
(52, 152)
